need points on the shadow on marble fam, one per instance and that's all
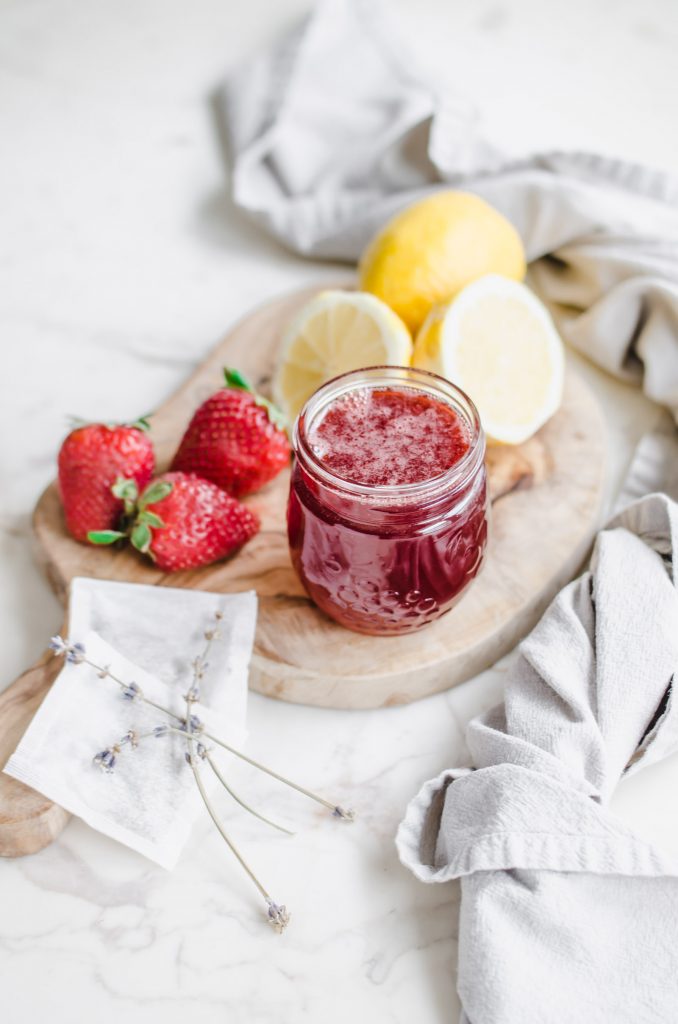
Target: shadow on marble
(224, 225)
(424, 928)
(28, 608)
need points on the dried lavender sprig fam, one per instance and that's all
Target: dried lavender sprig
(200, 663)
(239, 800)
(277, 916)
(336, 809)
(106, 759)
(130, 691)
(77, 655)
(338, 812)
(215, 819)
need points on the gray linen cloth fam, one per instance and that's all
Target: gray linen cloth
(566, 915)
(334, 129)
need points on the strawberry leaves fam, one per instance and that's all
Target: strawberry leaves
(128, 492)
(235, 379)
(105, 536)
(151, 518)
(142, 423)
(156, 491)
(141, 533)
(140, 519)
(141, 537)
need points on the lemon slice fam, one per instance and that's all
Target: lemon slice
(497, 342)
(334, 333)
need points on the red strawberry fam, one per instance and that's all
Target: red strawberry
(236, 439)
(91, 459)
(183, 521)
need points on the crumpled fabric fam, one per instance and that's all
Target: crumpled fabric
(566, 915)
(333, 130)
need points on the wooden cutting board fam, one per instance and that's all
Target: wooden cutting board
(546, 503)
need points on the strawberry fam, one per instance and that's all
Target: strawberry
(236, 439)
(90, 460)
(182, 521)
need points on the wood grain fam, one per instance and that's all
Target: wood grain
(28, 820)
(546, 504)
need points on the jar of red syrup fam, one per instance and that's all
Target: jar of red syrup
(388, 508)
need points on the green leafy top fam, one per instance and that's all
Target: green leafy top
(141, 423)
(156, 491)
(235, 379)
(139, 521)
(127, 491)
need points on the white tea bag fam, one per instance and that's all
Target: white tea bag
(149, 636)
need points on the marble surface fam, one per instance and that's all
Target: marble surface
(121, 263)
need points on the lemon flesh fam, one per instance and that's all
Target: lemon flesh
(334, 333)
(427, 253)
(497, 342)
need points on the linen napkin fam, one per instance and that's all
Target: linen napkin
(334, 129)
(566, 915)
(149, 636)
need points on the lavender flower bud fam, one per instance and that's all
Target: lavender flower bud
(105, 760)
(76, 654)
(278, 916)
(58, 644)
(194, 722)
(345, 815)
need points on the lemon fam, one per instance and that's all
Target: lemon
(336, 332)
(497, 342)
(435, 247)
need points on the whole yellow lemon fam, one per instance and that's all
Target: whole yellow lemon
(434, 248)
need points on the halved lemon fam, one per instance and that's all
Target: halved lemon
(432, 249)
(334, 333)
(498, 343)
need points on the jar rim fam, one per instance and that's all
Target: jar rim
(384, 376)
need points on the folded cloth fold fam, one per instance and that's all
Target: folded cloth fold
(566, 914)
(334, 129)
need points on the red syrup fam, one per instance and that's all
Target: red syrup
(387, 515)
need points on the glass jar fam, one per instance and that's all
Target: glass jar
(387, 559)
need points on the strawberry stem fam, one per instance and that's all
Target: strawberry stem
(141, 423)
(141, 528)
(128, 492)
(235, 379)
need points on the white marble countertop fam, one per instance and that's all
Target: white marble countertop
(121, 263)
